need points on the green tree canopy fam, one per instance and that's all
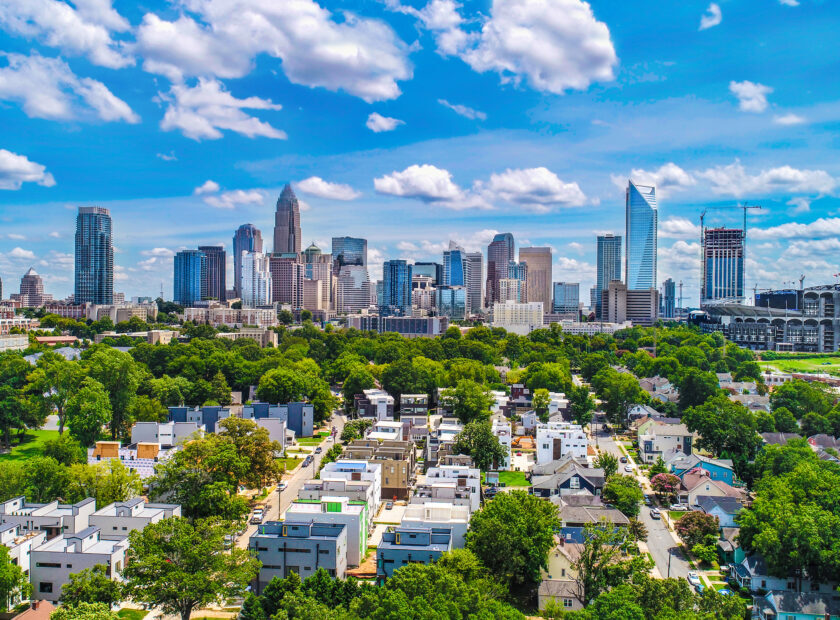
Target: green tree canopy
(478, 441)
(468, 400)
(624, 493)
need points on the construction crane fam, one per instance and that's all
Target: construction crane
(744, 207)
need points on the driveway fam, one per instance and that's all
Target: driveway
(660, 541)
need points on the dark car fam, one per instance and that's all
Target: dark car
(307, 461)
(623, 459)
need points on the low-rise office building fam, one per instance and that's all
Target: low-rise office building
(53, 562)
(298, 546)
(558, 439)
(406, 545)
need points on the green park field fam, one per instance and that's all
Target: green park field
(830, 365)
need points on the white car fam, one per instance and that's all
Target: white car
(628, 468)
(678, 507)
(281, 486)
(693, 579)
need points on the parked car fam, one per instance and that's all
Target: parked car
(307, 461)
(490, 492)
(228, 541)
(699, 588)
(648, 501)
(258, 516)
(693, 579)
(655, 514)
(622, 459)
(282, 486)
(318, 450)
(678, 507)
(628, 468)
(389, 505)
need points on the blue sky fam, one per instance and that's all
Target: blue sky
(412, 122)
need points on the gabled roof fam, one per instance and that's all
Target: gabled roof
(688, 462)
(779, 439)
(594, 476)
(812, 603)
(694, 478)
(555, 466)
(592, 514)
(728, 505)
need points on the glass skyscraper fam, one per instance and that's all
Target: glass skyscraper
(641, 223)
(247, 238)
(566, 297)
(433, 270)
(94, 265)
(190, 281)
(287, 222)
(452, 302)
(499, 253)
(215, 275)
(396, 289)
(608, 266)
(454, 266)
(723, 265)
(349, 251)
(669, 299)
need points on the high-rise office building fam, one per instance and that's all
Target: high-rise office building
(514, 286)
(353, 289)
(641, 228)
(287, 222)
(566, 297)
(669, 299)
(349, 251)
(454, 266)
(190, 278)
(32, 291)
(247, 238)
(396, 289)
(608, 266)
(723, 265)
(286, 279)
(256, 280)
(318, 266)
(475, 280)
(500, 252)
(94, 268)
(216, 273)
(452, 302)
(539, 274)
(432, 270)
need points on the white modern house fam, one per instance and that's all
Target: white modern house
(357, 470)
(116, 520)
(164, 433)
(558, 439)
(52, 518)
(53, 562)
(338, 510)
(464, 477)
(502, 430)
(439, 515)
(20, 543)
(386, 430)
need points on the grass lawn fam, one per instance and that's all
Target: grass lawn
(830, 365)
(33, 445)
(310, 441)
(289, 463)
(513, 479)
(676, 515)
(131, 614)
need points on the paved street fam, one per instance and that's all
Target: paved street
(660, 541)
(277, 503)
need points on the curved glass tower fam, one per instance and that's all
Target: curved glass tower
(642, 222)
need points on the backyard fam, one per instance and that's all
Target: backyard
(513, 479)
(31, 445)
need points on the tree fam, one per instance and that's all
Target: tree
(253, 445)
(540, 401)
(607, 462)
(91, 585)
(552, 376)
(815, 424)
(120, 376)
(180, 566)
(281, 386)
(147, 409)
(468, 401)
(14, 582)
(581, 404)
(697, 387)
(46, 479)
(697, 527)
(219, 389)
(355, 429)
(54, 381)
(286, 317)
(83, 611)
(800, 397)
(665, 485)
(12, 479)
(658, 467)
(65, 450)
(358, 380)
(478, 441)
(512, 536)
(11, 412)
(785, 421)
(638, 531)
(107, 482)
(88, 410)
(619, 391)
(624, 493)
(705, 553)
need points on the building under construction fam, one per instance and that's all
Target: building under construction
(723, 265)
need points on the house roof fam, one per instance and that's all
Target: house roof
(752, 565)
(558, 588)
(591, 514)
(682, 462)
(824, 441)
(594, 476)
(727, 505)
(812, 603)
(779, 438)
(695, 477)
(555, 466)
(577, 500)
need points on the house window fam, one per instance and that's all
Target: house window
(567, 603)
(562, 572)
(46, 587)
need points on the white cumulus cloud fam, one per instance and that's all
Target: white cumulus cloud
(536, 188)
(82, 31)
(15, 170)
(158, 252)
(788, 119)
(679, 228)
(734, 180)
(234, 198)
(752, 97)
(21, 254)
(48, 88)
(463, 110)
(800, 204)
(818, 229)
(430, 184)
(203, 110)
(441, 17)
(712, 17)
(667, 179)
(378, 123)
(208, 187)
(324, 189)
(361, 56)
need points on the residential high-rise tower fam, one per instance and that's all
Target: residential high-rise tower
(287, 222)
(475, 279)
(499, 253)
(215, 275)
(723, 265)
(247, 238)
(608, 266)
(641, 225)
(396, 289)
(566, 297)
(94, 264)
(190, 278)
(256, 280)
(539, 274)
(349, 251)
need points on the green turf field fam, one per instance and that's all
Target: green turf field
(830, 365)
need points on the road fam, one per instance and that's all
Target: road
(660, 542)
(278, 502)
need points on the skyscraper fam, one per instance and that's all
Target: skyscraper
(499, 253)
(669, 299)
(454, 266)
(94, 268)
(566, 297)
(452, 302)
(215, 274)
(287, 222)
(514, 286)
(432, 270)
(608, 266)
(723, 265)
(256, 280)
(475, 279)
(641, 222)
(353, 289)
(349, 251)
(31, 291)
(539, 274)
(286, 279)
(247, 238)
(396, 289)
(190, 279)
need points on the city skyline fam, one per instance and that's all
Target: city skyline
(411, 159)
